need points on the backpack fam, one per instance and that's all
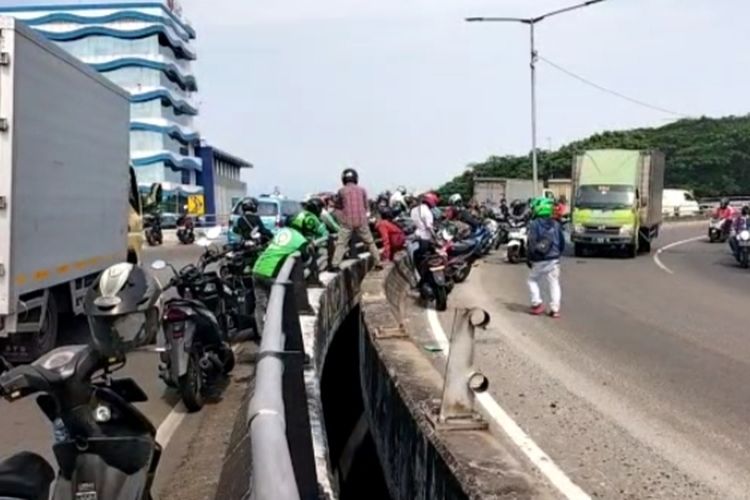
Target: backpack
(543, 240)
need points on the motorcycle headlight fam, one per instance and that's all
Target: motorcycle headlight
(627, 230)
(745, 235)
(578, 228)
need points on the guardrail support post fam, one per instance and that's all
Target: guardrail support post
(299, 287)
(462, 380)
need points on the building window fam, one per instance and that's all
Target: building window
(186, 177)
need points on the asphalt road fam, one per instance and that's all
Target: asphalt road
(23, 427)
(641, 389)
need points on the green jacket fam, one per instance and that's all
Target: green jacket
(307, 219)
(330, 221)
(286, 242)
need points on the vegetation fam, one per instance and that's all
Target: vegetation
(708, 156)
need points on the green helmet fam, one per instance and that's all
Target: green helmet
(542, 208)
(305, 222)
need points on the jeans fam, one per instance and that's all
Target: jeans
(345, 236)
(548, 271)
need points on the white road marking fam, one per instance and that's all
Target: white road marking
(169, 425)
(658, 261)
(539, 458)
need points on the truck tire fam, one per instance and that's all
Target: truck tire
(46, 339)
(631, 251)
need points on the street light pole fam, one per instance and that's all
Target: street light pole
(531, 21)
(534, 157)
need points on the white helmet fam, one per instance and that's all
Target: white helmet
(402, 190)
(455, 199)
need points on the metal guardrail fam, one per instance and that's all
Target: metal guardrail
(274, 458)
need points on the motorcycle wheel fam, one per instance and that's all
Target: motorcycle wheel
(150, 239)
(441, 298)
(514, 256)
(463, 274)
(191, 385)
(744, 259)
(229, 362)
(712, 237)
(498, 242)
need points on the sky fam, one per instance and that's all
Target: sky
(409, 94)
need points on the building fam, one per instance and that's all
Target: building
(145, 47)
(220, 179)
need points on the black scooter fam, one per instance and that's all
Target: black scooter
(186, 230)
(105, 448)
(197, 350)
(153, 231)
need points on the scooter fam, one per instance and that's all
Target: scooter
(717, 230)
(461, 256)
(196, 351)
(153, 230)
(741, 248)
(517, 241)
(105, 447)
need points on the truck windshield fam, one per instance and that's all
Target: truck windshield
(605, 197)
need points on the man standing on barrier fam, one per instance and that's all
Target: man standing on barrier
(353, 211)
(297, 237)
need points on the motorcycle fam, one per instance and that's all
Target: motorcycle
(237, 260)
(185, 231)
(461, 256)
(196, 351)
(153, 230)
(717, 230)
(517, 240)
(435, 284)
(104, 446)
(741, 248)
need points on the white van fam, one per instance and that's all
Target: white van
(679, 203)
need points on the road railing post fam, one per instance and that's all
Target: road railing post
(462, 379)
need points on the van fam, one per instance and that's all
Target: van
(273, 212)
(679, 203)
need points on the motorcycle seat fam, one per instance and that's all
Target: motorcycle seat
(27, 476)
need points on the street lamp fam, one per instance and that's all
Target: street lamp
(531, 22)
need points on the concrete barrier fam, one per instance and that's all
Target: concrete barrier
(402, 388)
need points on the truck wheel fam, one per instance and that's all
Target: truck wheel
(46, 338)
(645, 247)
(631, 251)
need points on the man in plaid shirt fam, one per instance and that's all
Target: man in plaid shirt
(353, 218)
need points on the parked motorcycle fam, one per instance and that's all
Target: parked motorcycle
(741, 248)
(461, 255)
(105, 447)
(186, 230)
(435, 283)
(517, 240)
(197, 351)
(718, 230)
(153, 230)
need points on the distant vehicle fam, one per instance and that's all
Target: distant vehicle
(679, 203)
(271, 210)
(618, 199)
(169, 220)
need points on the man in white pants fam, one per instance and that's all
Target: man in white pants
(546, 244)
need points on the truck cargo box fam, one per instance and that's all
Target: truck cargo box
(64, 157)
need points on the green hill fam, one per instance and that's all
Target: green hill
(708, 156)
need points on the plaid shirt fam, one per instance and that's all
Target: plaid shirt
(353, 201)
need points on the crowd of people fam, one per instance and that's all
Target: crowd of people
(386, 222)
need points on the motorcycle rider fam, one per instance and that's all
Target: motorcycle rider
(725, 213)
(546, 245)
(740, 223)
(397, 202)
(463, 214)
(312, 208)
(424, 222)
(250, 220)
(504, 211)
(328, 216)
(297, 237)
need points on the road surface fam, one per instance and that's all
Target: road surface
(23, 427)
(641, 389)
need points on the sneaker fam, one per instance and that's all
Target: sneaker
(554, 314)
(537, 310)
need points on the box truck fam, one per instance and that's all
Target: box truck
(64, 186)
(617, 200)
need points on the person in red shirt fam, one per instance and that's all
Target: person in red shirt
(392, 237)
(724, 212)
(561, 208)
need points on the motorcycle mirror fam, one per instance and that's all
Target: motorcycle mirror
(213, 233)
(158, 265)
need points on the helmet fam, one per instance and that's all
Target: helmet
(305, 223)
(386, 213)
(123, 309)
(431, 199)
(455, 199)
(724, 202)
(402, 190)
(315, 206)
(542, 208)
(349, 175)
(746, 210)
(249, 205)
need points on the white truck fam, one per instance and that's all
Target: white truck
(64, 186)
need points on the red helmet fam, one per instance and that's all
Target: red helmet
(431, 199)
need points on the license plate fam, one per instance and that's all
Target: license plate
(600, 240)
(438, 276)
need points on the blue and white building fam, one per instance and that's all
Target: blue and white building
(145, 47)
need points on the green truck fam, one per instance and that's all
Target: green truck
(617, 202)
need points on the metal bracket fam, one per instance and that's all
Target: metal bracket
(2, 270)
(285, 356)
(462, 381)
(4, 126)
(468, 422)
(4, 58)
(3, 202)
(390, 332)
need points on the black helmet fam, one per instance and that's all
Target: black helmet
(746, 210)
(250, 205)
(349, 175)
(314, 206)
(123, 309)
(386, 213)
(724, 202)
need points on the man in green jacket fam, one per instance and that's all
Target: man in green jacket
(297, 237)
